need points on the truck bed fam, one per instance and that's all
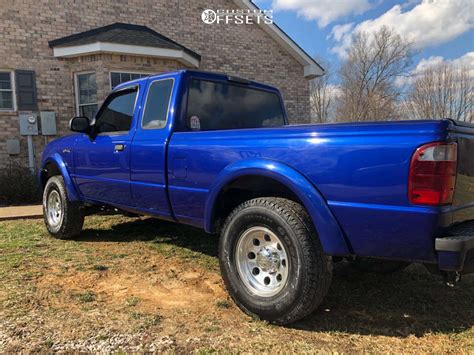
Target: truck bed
(463, 203)
(360, 169)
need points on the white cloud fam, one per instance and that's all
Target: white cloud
(427, 63)
(339, 32)
(323, 11)
(343, 35)
(466, 61)
(429, 23)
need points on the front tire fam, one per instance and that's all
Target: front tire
(63, 218)
(272, 261)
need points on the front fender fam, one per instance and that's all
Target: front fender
(330, 234)
(58, 161)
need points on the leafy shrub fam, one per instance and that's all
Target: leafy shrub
(18, 186)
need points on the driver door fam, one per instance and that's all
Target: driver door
(102, 160)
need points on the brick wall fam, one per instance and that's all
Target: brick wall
(26, 26)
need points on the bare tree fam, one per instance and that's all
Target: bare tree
(443, 91)
(322, 96)
(368, 76)
(320, 99)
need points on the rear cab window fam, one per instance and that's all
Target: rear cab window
(157, 104)
(216, 105)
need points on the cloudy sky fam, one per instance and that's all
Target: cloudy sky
(441, 30)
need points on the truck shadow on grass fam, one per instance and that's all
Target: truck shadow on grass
(408, 302)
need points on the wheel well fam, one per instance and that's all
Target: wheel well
(246, 188)
(49, 170)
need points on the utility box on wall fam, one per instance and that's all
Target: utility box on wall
(48, 123)
(28, 124)
(13, 146)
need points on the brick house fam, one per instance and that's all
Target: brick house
(64, 57)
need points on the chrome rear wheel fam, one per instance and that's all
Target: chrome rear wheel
(272, 261)
(262, 261)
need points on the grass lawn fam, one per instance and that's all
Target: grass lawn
(130, 284)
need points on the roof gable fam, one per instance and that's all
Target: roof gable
(311, 68)
(127, 36)
(123, 38)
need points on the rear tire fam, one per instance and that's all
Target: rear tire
(272, 260)
(63, 218)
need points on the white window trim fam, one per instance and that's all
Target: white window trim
(118, 71)
(76, 90)
(13, 89)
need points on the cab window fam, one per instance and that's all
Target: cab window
(157, 104)
(216, 105)
(116, 113)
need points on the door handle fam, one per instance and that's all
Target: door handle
(119, 147)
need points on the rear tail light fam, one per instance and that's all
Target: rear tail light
(433, 174)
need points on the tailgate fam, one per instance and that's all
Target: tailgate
(463, 203)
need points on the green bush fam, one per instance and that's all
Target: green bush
(18, 186)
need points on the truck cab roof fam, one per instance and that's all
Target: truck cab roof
(186, 73)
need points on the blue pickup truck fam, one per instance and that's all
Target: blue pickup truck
(217, 152)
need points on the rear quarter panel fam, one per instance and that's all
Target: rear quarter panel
(361, 170)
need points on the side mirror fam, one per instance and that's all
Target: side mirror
(80, 124)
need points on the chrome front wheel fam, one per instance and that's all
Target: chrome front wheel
(63, 218)
(54, 209)
(262, 261)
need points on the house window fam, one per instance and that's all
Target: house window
(117, 78)
(6, 91)
(86, 94)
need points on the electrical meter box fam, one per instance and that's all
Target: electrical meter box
(48, 123)
(28, 124)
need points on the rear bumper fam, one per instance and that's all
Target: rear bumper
(455, 249)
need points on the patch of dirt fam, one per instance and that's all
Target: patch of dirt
(140, 301)
(158, 284)
(142, 286)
